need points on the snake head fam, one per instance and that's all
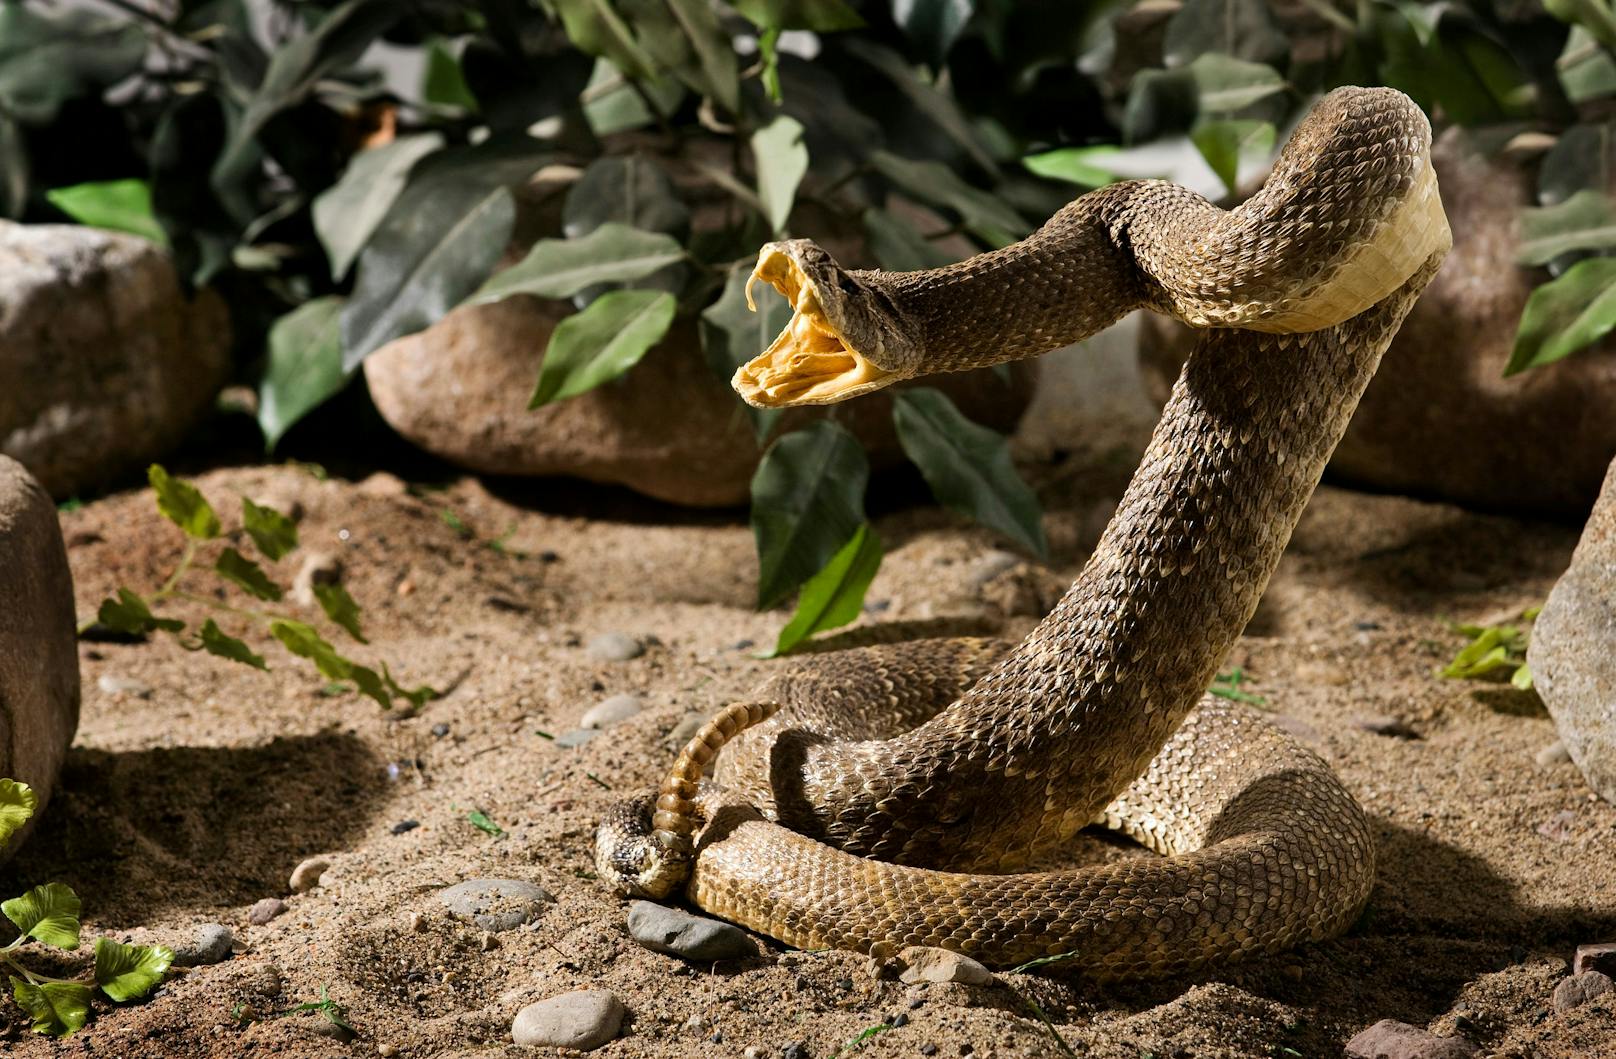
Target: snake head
(636, 860)
(844, 339)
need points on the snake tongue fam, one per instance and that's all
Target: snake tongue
(811, 362)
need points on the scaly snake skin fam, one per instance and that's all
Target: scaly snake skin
(904, 794)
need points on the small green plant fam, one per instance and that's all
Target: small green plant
(1228, 686)
(325, 1007)
(49, 915)
(858, 1042)
(274, 536)
(1494, 649)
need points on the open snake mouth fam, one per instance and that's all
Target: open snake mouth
(811, 362)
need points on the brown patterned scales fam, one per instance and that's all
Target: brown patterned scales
(900, 794)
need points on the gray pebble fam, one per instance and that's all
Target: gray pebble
(925, 964)
(496, 904)
(265, 910)
(615, 647)
(686, 729)
(112, 685)
(212, 944)
(1600, 956)
(991, 565)
(306, 876)
(1381, 724)
(794, 1050)
(321, 1026)
(576, 738)
(584, 1020)
(1390, 1039)
(612, 711)
(1553, 754)
(678, 933)
(1581, 988)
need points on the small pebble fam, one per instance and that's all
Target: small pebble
(440, 730)
(112, 685)
(321, 1026)
(916, 1002)
(991, 565)
(1600, 956)
(1559, 826)
(1390, 1039)
(614, 710)
(743, 645)
(752, 1052)
(386, 1050)
(1581, 988)
(678, 933)
(794, 1050)
(404, 825)
(928, 1049)
(686, 729)
(383, 484)
(487, 942)
(717, 1037)
(306, 876)
(496, 904)
(898, 1021)
(265, 910)
(319, 568)
(211, 944)
(615, 647)
(924, 964)
(576, 738)
(417, 922)
(584, 1020)
(1553, 754)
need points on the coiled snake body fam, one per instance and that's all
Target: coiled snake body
(902, 793)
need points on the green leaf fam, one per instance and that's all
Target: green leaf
(50, 57)
(303, 368)
(984, 213)
(933, 25)
(935, 106)
(684, 36)
(897, 246)
(782, 161)
(348, 213)
(416, 697)
(821, 16)
(1594, 16)
(1078, 165)
(1586, 72)
(732, 334)
(769, 52)
(125, 972)
(611, 104)
(338, 41)
(560, 268)
(48, 913)
(482, 822)
(630, 190)
(595, 28)
(1224, 84)
(833, 597)
(967, 466)
(130, 614)
(117, 205)
(1243, 29)
(340, 607)
(57, 1008)
(807, 502)
(602, 342)
(1566, 314)
(302, 640)
(246, 574)
(440, 239)
(1585, 221)
(17, 805)
(444, 83)
(215, 641)
(273, 533)
(1582, 157)
(1225, 143)
(182, 504)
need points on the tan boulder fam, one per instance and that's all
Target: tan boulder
(1439, 419)
(39, 659)
(105, 362)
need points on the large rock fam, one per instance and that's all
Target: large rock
(39, 658)
(1439, 419)
(104, 361)
(1573, 648)
(669, 428)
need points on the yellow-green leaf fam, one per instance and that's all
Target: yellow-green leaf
(340, 607)
(48, 913)
(17, 805)
(246, 574)
(834, 596)
(57, 1008)
(182, 504)
(1566, 314)
(602, 342)
(125, 972)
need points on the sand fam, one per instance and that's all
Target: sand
(187, 804)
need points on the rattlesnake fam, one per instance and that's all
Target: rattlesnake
(905, 792)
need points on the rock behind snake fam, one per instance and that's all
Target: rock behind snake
(903, 793)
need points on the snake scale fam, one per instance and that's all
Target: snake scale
(907, 794)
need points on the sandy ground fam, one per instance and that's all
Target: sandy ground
(189, 804)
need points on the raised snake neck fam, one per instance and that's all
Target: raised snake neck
(1046, 741)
